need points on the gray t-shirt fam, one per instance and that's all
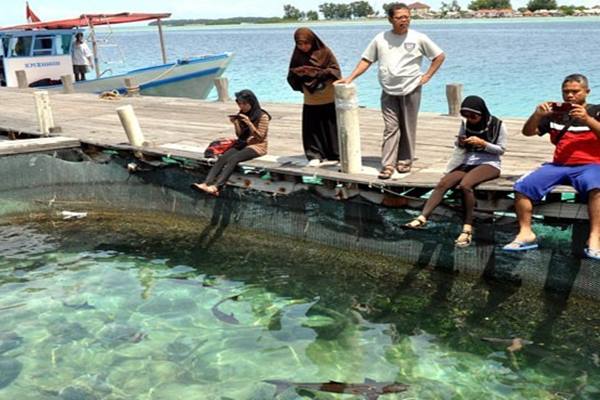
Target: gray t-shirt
(400, 58)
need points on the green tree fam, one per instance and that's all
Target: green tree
(361, 9)
(328, 10)
(535, 5)
(343, 11)
(312, 15)
(489, 4)
(385, 7)
(450, 7)
(291, 12)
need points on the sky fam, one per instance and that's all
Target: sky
(13, 11)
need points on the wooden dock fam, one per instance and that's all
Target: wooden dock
(184, 127)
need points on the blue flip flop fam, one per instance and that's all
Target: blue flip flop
(594, 254)
(517, 245)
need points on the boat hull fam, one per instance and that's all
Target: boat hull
(191, 78)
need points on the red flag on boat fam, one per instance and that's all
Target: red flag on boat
(31, 17)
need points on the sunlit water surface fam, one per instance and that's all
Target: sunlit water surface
(146, 306)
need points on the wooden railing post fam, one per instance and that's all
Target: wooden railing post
(67, 82)
(222, 85)
(132, 88)
(43, 111)
(22, 79)
(454, 93)
(132, 127)
(346, 107)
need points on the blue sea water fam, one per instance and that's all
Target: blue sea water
(512, 64)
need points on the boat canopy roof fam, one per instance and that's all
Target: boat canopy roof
(85, 20)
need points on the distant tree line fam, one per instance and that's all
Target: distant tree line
(489, 4)
(361, 9)
(220, 21)
(356, 9)
(534, 5)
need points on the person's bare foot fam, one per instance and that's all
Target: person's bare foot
(201, 186)
(212, 189)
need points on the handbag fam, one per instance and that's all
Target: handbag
(457, 158)
(219, 146)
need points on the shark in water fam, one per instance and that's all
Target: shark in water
(370, 390)
(220, 315)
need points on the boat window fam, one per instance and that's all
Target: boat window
(43, 46)
(63, 45)
(20, 46)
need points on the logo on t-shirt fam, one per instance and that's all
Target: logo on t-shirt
(409, 46)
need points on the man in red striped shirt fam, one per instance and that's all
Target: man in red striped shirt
(574, 128)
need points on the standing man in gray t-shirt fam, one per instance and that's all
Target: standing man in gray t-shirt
(399, 53)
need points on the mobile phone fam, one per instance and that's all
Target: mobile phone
(561, 108)
(234, 116)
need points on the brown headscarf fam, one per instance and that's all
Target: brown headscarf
(320, 64)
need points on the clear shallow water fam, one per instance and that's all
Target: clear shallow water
(150, 306)
(513, 64)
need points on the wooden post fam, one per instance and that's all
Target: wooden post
(22, 79)
(43, 111)
(131, 125)
(346, 107)
(94, 49)
(132, 88)
(454, 93)
(67, 82)
(222, 85)
(162, 41)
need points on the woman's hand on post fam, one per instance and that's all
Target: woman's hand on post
(344, 81)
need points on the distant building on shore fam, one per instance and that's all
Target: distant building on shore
(494, 13)
(419, 9)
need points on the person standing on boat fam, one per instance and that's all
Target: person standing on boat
(482, 137)
(251, 125)
(574, 128)
(82, 57)
(313, 68)
(399, 53)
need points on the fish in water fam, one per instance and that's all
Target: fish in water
(79, 306)
(9, 341)
(370, 390)
(227, 318)
(514, 344)
(9, 371)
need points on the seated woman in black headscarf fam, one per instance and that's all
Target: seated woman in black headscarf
(251, 125)
(483, 138)
(313, 69)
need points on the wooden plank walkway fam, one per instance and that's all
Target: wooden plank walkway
(184, 127)
(9, 147)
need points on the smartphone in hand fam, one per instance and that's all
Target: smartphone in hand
(561, 108)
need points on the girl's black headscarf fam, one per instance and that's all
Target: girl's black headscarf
(247, 96)
(322, 60)
(488, 128)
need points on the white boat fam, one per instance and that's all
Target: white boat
(43, 51)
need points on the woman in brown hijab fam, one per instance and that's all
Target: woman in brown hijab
(313, 69)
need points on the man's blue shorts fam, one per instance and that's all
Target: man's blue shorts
(539, 182)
